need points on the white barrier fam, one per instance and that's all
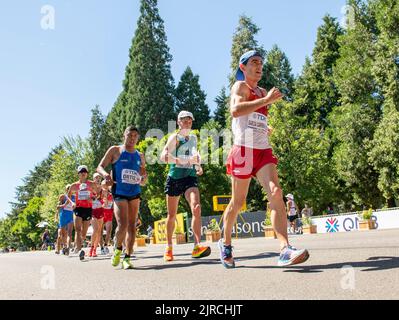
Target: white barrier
(387, 219)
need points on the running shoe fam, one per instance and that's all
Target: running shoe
(57, 252)
(168, 256)
(116, 258)
(94, 252)
(103, 251)
(106, 250)
(82, 254)
(226, 255)
(126, 264)
(66, 251)
(201, 252)
(291, 255)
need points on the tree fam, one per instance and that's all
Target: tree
(243, 40)
(277, 72)
(99, 140)
(74, 152)
(315, 90)
(222, 107)
(304, 165)
(8, 239)
(147, 97)
(25, 227)
(31, 184)
(355, 120)
(190, 97)
(384, 152)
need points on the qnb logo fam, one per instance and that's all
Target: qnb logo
(332, 225)
(48, 20)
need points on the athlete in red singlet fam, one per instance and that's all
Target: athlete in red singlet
(83, 190)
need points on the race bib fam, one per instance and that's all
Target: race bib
(109, 205)
(84, 195)
(96, 204)
(258, 122)
(68, 207)
(130, 176)
(185, 166)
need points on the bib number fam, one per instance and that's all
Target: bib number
(130, 177)
(258, 122)
(84, 195)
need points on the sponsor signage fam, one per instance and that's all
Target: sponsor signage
(388, 219)
(247, 223)
(160, 228)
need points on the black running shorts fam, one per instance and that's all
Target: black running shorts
(84, 213)
(177, 187)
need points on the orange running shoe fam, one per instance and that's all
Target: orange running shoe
(200, 252)
(168, 256)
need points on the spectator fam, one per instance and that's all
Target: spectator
(307, 212)
(150, 231)
(45, 239)
(330, 210)
(292, 212)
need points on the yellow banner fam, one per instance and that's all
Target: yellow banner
(220, 203)
(160, 228)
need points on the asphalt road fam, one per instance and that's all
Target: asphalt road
(356, 265)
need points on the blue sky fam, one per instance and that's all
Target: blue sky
(50, 79)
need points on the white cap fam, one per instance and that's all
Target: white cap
(184, 114)
(96, 175)
(80, 168)
(290, 196)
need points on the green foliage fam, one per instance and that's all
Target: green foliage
(213, 225)
(304, 163)
(366, 214)
(277, 72)
(315, 90)
(190, 97)
(243, 40)
(268, 220)
(99, 140)
(222, 107)
(25, 227)
(8, 239)
(158, 208)
(74, 152)
(147, 97)
(307, 221)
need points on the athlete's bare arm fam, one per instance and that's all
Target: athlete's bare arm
(166, 155)
(60, 201)
(72, 189)
(239, 104)
(143, 171)
(108, 159)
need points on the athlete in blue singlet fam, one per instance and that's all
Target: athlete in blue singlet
(128, 173)
(65, 224)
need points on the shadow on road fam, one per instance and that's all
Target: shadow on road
(371, 264)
